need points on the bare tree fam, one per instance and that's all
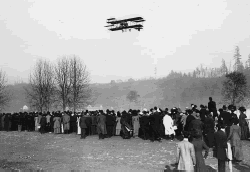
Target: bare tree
(63, 81)
(40, 92)
(5, 95)
(80, 92)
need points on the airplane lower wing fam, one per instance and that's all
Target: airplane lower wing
(138, 26)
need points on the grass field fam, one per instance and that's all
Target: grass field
(31, 150)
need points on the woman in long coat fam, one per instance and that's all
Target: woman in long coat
(36, 123)
(243, 124)
(199, 145)
(234, 138)
(57, 124)
(136, 125)
(118, 124)
(101, 126)
(169, 126)
(209, 130)
(78, 125)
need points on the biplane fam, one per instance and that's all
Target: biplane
(126, 24)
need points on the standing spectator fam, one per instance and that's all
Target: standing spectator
(7, 122)
(83, 126)
(212, 107)
(93, 124)
(37, 125)
(136, 124)
(243, 124)
(185, 159)
(101, 126)
(43, 123)
(221, 148)
(234, 138)
(66, 121)
(169, 126)
(57, 123)
(199, 145)
(48, 116)
(209, 126)
(118, 124)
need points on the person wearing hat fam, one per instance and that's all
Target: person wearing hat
(66, 122)
(235, 139)
(229, 120)
(209, 130)
(169, 126)
(155, 122)
(243, 124)
(220, 149)
(196, 125)
(136, 124)
(83, 126)
(224, 115)
(43, 123)
(101, 125)
(57, 123)
(144, 125)
(188, 120)
(203, 113)
(212, 107)
(185, 156)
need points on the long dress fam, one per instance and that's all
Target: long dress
(118, 125)
(136, 125)
(78, 126)
(244, 126)
(36, 124)
(57, 124)
(169, 125)
(235, 141)
(199, 145)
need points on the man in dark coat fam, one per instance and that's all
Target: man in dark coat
(203, 113)
(189, 118)
(43, 123)
(88, 122)
(83, 126)
(212, 107)
(101, 125)
(144, 125)
(110, 122)
(196, 125)
(29, 122)
(209, 125)
(155, 122)
(224, 116)
(73, 124)
(221, 147)
(93, 124)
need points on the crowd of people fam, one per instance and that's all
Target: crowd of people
(200, 128)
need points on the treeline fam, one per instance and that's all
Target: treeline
(197, 86)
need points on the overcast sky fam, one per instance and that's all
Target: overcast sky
(178, 35)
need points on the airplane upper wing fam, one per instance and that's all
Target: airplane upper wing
(126, 20)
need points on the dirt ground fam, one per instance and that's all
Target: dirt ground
(31, 150)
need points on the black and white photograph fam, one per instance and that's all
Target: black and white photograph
(125, 86)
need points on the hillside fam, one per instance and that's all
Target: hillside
(176, 89)
(162, 92)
